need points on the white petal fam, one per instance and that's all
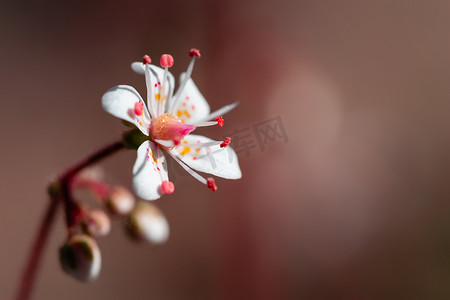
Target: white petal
(120, 100)
(221, 111)
(157, 75)
(192, 106)
(221, 162)
(149, 171)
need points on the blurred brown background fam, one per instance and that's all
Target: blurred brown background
(354, 206)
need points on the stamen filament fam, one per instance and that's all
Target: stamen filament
(162, 92)
(165, 143)
(169, 96)
(148, 83)
(205, 124)
(207, 144)
(187, 76)
(189, 170)
(164, 176)
(221, 111)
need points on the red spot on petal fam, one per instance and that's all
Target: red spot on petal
(193, 107)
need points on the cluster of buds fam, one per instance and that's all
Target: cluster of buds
(80, 255)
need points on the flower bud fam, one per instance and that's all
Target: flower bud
(147, 223)
(95, 173)
(97, 223)
(119, 201)
(80, 257)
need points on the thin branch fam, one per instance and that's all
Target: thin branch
(34, 255)
(61, 195)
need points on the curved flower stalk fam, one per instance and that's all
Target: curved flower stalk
(167, 120)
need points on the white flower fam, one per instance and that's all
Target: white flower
(167, 120)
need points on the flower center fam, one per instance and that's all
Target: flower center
(169, 127)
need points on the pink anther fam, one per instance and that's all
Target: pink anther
(166, 60)
(225, 142)
(194, 52)
(211, 184)
(167, 187)
(146, 59)
(220, 121)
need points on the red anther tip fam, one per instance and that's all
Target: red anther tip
(194, 52)
(219, 121)
(146, 59)
(138, 108)
(226, 142)
(211, 184)
(166, 60)
(167, 187)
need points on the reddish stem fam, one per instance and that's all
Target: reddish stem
(36, 250)
(28, 276)
(66, 178)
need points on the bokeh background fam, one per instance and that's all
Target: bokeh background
(354, 206)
